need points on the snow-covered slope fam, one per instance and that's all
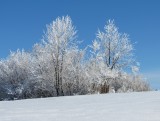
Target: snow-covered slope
(144, 106)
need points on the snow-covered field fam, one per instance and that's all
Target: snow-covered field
(143, 106)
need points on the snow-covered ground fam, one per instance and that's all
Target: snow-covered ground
(143, 106)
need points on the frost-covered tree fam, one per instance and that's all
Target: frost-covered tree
(41, 80)
(15, 72)
(113, 47)
(111, 53)
(74, 76)
(59, 39)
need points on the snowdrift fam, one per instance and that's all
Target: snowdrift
(138, 106)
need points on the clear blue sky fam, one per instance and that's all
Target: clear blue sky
(22, 23)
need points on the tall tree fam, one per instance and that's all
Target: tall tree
(59, 39)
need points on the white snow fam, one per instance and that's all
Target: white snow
(142, 106)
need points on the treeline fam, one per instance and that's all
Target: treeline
(57, 67)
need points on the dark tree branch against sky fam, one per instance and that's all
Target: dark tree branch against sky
(22, 24)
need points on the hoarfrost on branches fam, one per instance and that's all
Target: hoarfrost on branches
(115, 47)
(57, 67)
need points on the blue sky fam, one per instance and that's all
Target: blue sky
(22, 23)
